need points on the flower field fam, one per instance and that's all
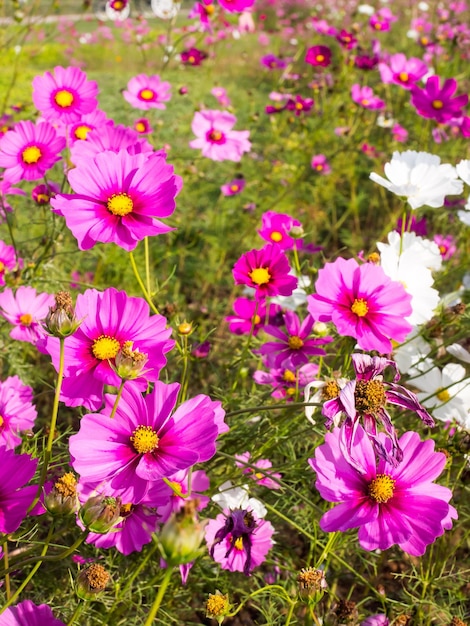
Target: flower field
(234, 252)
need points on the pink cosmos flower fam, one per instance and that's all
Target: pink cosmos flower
(17, 412)
(180, 485)
(28, 614)
(367, 398)
(8, 260)
(402, 71)
(29, 150)
(366, 61)
(261, 478)
(236, 6)
(64, 95)
(234, 187)
(15, 499)
(399, 133)
(376, 620)
(221, 95)
(436, 102)
(109, 320)
(320, 164)
(145, 442)
(88, 122)
(25, 309)
(203, 10)
(193, 56)
(287, 383)
(382, 20)
(318, 56)
(362, 302)
(272, 62)
(42, 194)
(276, 229)
(390, 505)
(250, 314)
(147, 92)
(267, 271)
(239, 540)
(137, 521)
(112, 138)
(7, 190)
(365, 97)
(142, 126)
(118, 198)
(216, 138)
(447, 246)
(293, 347)
(346, 39)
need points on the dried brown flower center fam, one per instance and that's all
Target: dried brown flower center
(97, 577)
(370, 396)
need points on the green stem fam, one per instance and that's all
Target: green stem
(147, 265)
(184, 375)
(118, 397)
(141, 284)
(326, 550)
(247, 346)
(264, 590)
(78, 611)
(29, 577)
(159, 597)
(55, 412)
(7, 577)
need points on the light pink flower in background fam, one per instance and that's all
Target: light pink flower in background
(216, 138)
(147, 92)
(365, 97)
(25, 309)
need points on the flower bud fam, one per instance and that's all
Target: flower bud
(181, 536)
(129, 364)
(100, 513)
(296, 232)
(91, 581)
(185, 328)
(312, 584)
(61, 320)
(320, 328)
(63, 499)
(217, 606)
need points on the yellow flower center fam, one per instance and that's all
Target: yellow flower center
(2, 421)
(238, 543)
(215, 135)
(146, 94)
(125, 509)
(234, 188)
(120, 204)
(256, 319)
(81, 132)
(404, 77)
(260, 276)
(144, 439)
(330, 390)
(140, 127)
(443, 395)
(31, 154)
(43, 198)
(437, 104)
(2, 266)
(66, 485)
(276, 236)
(442, 249)
(364, 102)
(26, 319)
(291, 391)
(118, 5)
(105, 347)
(191, 59)
(299, 106)
(378, 26)
(320, 58)
(289, 376)
(216, 605)
(381, 488)
(64, 98)
(359, 307)
(369, 396)
(319, 167)
(177, 490)
(295, 342)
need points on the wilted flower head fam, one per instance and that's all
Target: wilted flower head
(91, 581)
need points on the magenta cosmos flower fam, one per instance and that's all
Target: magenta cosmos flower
(362, 302)
(366, 398)
(88, 122)
(27, 613)
(15, 499)
(147, 92)
(145, 442)
(25, 309)
(8, 260)
(110, 319)
(234, 187)
(293, 346)
(264, 478)
(365, 97)
(266, 271)
(299, 105)
(287, 383)
(193, 56)
(320, 164)
(236, 6)
(29, 150)
(277, 228)
(17, 412)
(239, 540)
(272, 62)
(436, 102)
(318, 56)
(402, 71)
(216, 138)
(118, 198)
(64, 95)
(390, 505)
(251, 316)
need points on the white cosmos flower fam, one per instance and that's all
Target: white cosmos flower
(416, 278)
(314, 392)
(238, 498)
(446, 392)
(418, 249)
(298, 296)
(420, 178)
(463, 170)
(460, 353)
(366, 9)
(411, 352)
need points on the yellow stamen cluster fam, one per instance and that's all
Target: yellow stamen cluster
(105, 347)
(66, 485)
(147, 94)
(31, 155)
(215, 135)
(237, 543)
(311, 579)
(437, 104)
(276, 236)
(64, 98)
(120, 204)
(369, 396)
(295, 343)
(144, 439)
(289, 376)
(359, 307)
(26, 319)
(260, 276)
(217, 605)
(381, 489)
(330, 390)
(81, 132)
(443, 395)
